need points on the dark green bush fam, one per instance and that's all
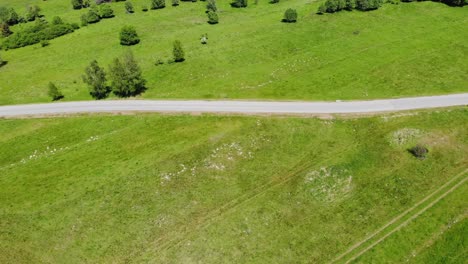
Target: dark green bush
(41, 30)
(322, 9)
(419, 151)
(54, 92)
(129, 7)
(274, 1)
(44, 43)
(129, 36)
(32, 12)
(105, 11)
(178, 51)
(290, 16)
(211, 6)
(367, 5)
(212, 18)
(5, 29)
(77, 4)
(158, 4)
(144, 8)
(239, 3)
(175, 2)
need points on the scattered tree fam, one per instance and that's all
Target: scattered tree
(211, 6)
(126, 77)
(158, 4)
(178, 52)
(105, 11)
(95, 77)
(290, 16)
(32, 12)
(419, 151)
(239, 3)
(129, 36)
(212, 17)
(5, 29)
(129, 7)
(54, 92)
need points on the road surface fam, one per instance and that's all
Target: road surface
(243, 107)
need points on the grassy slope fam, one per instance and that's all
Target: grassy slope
(206, 189)
(399, 50)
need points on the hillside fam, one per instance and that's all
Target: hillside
(399, 50)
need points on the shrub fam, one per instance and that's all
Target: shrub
(175, 2)
(44, 43)
(144, 8)
(178, 51)
(212, 18)
(239, 3)
(290, 16)
(419, 151)
(92, 16)
(41, 30)
(204, 39)
(159, 62)
(9, 16)
(57, 20)
(5, 29)
(32, 12)
(366, 5)
(350, 5)
(274, 1)
(321, 10)
(95, 77)
(158, 4)
(105, 11)
(129, 7)
(54, 92)
(331, 6)
(129, 36)
(126, 77)
(211, 6)
(77, 4)
(2, 62)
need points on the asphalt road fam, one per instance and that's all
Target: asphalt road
(244, 107)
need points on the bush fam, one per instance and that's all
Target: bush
(211, 6)
(9, 16)
(105, 11)
(274, 1)
(204, 39)
(129, 36)
(5, 29)
(239, 3)
(419, 151)
(54, 92)
(159, 62)
(35, 34)
(129, 7)
(212, 18)
(91, 17)
(178, 51)
(321, 10)
(175, 2)
(366, 5)
(158, 4)
(144, 8)
(57, 20)
(350, 5)
(95, 77)
(2, 62)
(126, 77)
(44, 43)
(77, 4)
(290, 16)
(32, 12)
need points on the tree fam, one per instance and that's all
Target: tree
(77, 4)
(95, 77)
(105, 11)
(129, 36)
(211, 6)
(178, 52)
(126, 76)
(129, 7)
(5, 29)
(212, 18)
(32, 12)
(54, 92)
(158, 4)
(239, 3)
(290, 16)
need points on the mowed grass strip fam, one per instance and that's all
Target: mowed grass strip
(399, 50)
(212, 189)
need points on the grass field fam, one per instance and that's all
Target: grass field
(399, 50)
(211, 189)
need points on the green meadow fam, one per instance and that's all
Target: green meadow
(405, 49)
(219, 189)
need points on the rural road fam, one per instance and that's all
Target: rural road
(243, 107)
